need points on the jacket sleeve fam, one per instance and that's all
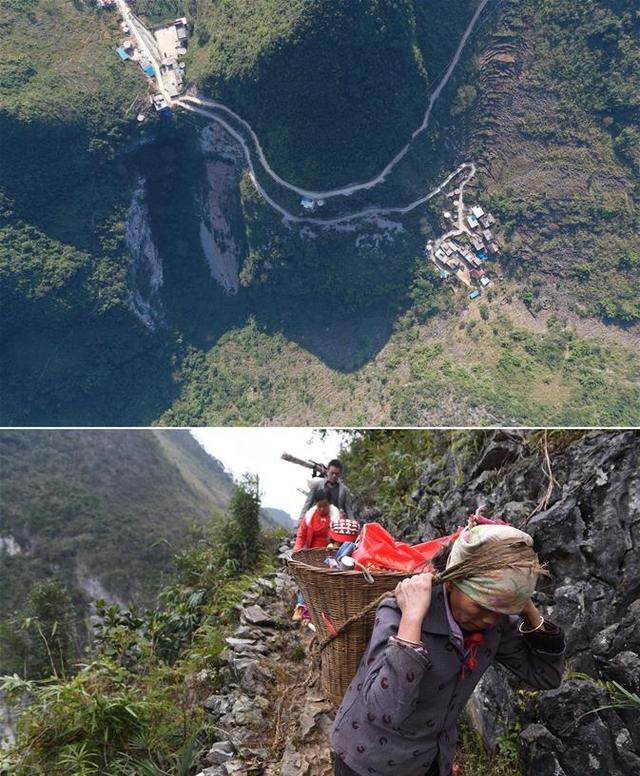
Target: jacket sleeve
(302, 535)
(394, 670)
(307, 502)
(347, 507)
(538, 658)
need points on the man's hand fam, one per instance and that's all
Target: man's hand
(414, 599)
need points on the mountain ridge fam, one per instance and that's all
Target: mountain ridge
(103, 511)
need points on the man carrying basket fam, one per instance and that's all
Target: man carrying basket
(430, 645)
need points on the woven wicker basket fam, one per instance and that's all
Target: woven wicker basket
(339, 595)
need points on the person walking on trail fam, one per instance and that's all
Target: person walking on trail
(313, 529)
(321, 525)
(431, 644)
(339, 494)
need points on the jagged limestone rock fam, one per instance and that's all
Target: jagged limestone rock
(256, 615)
(540, 750)
(588, 534)
(220, 752)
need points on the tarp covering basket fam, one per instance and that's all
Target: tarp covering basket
(332, 597)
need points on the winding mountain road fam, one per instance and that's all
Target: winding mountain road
(350, 188)
(198, 105)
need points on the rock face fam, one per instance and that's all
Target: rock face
(271, 718)
(145, 272)
(588, 533)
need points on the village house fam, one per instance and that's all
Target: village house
(463, 256)
(159, 102)
(172, 39)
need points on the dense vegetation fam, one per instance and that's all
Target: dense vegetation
(66, 105)
(132, 707)
(489, 372)
(333, 88)
(345, 316)
(87, 507)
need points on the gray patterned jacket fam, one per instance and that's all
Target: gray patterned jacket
(399, 714)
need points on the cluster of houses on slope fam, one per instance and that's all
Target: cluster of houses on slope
(171, 40)
(454, 256)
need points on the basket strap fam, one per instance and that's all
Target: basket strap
(437, 579)
(368, 608)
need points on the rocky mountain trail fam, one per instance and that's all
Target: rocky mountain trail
(270, 715)
(582, 507)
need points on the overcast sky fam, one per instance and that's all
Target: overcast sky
(258, 451)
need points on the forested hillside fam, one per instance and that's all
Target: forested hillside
(67, 116)
(102, 512)
(334, 88)
(543, 99)
(558, 112)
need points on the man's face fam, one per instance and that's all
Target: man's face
(468, 613)
(333, 474)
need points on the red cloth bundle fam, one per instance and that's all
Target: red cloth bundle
(377, 549)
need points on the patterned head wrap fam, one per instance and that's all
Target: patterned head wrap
(505, 590)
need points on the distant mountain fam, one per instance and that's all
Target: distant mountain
(102, 510)
(281, 517)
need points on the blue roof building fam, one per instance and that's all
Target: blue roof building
(148, 69)
(122, 54)
(474, 294)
